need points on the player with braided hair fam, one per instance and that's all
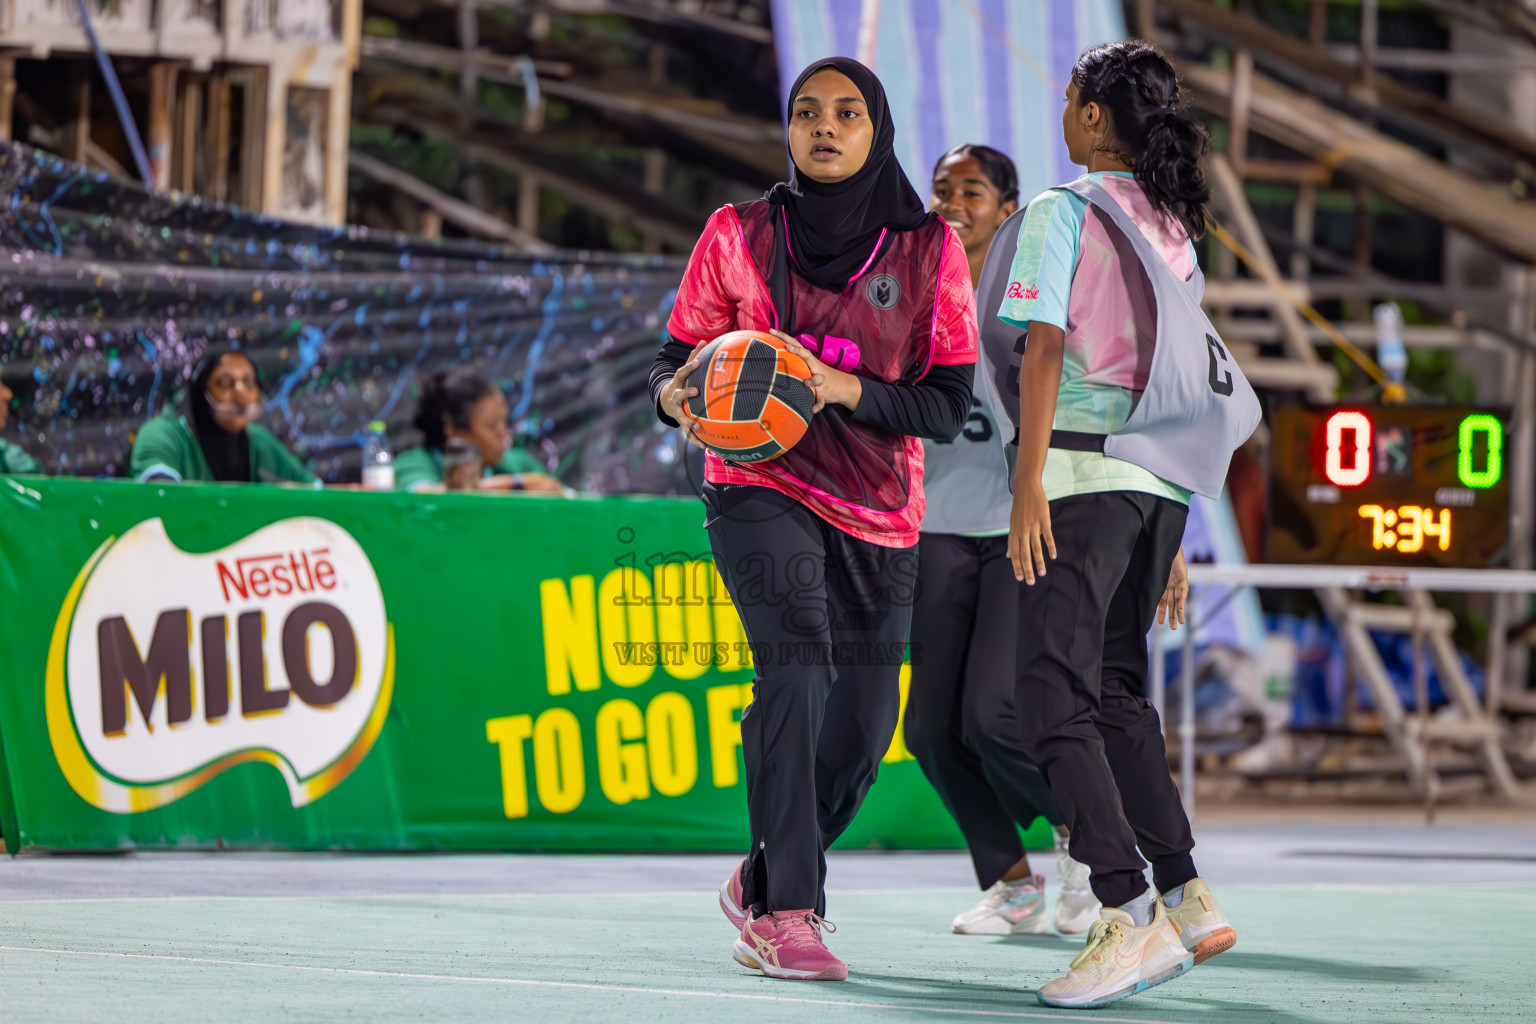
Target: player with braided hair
(1097, 538)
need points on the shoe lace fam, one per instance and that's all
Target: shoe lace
(803, 931)
(1103, 933)
(1000, 895)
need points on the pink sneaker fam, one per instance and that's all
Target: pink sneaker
(788, 945)
(730, 898)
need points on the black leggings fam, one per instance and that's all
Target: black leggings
(827, 616)
(1082, 698)
(960, 723)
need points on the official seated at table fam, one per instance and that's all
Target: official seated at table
(214, 436)
(459, 408)
(13, 460)
(463, 465)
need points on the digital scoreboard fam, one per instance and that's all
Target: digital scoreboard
(1389, 485)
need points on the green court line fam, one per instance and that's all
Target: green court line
(1307, 954)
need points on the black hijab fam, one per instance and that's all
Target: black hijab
(833, 228)
(228, 455)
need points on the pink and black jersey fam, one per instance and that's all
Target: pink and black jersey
(909, 308)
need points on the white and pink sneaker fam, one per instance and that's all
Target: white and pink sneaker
(1008, 908)
(787, 944)
(730, 898)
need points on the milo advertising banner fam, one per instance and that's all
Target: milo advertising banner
(204, 666)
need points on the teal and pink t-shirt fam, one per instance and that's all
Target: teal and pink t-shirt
(1069, 272)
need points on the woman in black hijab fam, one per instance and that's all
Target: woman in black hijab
(833, 225)
(214, 437)
(845, 265)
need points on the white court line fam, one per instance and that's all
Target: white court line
(1391, 888)
(635, 989)
(310, 897)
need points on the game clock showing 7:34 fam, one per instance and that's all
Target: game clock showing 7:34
(1388, 485)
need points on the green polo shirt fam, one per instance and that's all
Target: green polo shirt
(423, 467)
(14, 460)
(167, 447)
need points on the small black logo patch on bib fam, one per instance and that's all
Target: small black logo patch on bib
(882, 291)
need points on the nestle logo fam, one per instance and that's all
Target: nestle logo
(304, 572)
(1018, 291)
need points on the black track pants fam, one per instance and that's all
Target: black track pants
(827, 616)
(1082, 688)
(960, 723)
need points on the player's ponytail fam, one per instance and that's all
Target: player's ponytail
(1139, 90)
(448, 397)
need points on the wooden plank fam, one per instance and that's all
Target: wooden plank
(469, 43)
(253, 92)
(617, 98)
(430, 225)
(599, 197)
(1369, 33)
(275, 138)
(757, 164)
(1451, 62)
(338, 128)
(162, 90)
(1451, 118)
(669, 111)
(662, 14)
(7, 93)
(1228, 189)
(1242, 92)
(1253, 330)
(80, 114)
(1290, 375)
(452, 209)
(528, 200)
(1301, 173)
(187, 148)
(219, 140)
(1248, 292)
(1303, 228)
(1391, 167)
(447, 58)
(654, 183)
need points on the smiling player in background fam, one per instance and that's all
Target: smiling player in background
(959, 721)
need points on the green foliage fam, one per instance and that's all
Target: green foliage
(1433, 373)
(1436, 373)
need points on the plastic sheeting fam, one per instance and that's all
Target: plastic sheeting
(109, 293)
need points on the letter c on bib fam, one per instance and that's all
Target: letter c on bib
(1221, 382)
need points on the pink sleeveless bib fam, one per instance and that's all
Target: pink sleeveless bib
(899, 312)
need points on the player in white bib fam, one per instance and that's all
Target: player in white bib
(959, 721)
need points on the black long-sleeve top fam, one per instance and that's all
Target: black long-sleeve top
(935, 407)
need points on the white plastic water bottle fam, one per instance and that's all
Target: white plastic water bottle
(378, 460)
(1391, 355)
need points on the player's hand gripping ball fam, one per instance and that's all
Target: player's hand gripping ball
(753, 403)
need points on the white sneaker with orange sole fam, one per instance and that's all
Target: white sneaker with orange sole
(1203, 929)
(1119, 960)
